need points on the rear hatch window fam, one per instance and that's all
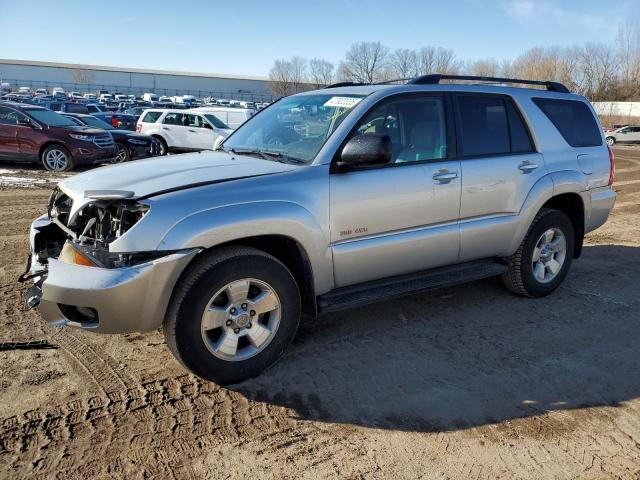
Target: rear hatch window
(150, 117)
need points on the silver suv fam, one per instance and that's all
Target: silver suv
(326, 200)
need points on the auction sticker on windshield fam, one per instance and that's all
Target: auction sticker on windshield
(342, 102)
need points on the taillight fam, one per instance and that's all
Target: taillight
(138, 128)
(612, 168)
(115, 121)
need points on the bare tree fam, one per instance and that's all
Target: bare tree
(320, 72)
(365, 62)
(403, 63)
(484, 68)
(287, 77)
(81, 75)
(437, 60)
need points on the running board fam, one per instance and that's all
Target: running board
(403, 285)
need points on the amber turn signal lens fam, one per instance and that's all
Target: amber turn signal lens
(74, 256)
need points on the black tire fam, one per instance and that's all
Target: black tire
(122, 153)
(610, 141)
(56, 150)
(206, 276)
(164, 148)
(519, 278)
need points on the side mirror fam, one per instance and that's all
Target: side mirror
(25, 122)
(218, 141)
(366, 150)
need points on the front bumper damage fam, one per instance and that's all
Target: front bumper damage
(104, 300)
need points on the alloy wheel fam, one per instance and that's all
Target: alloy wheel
(241, 319)
(56, 160)
(549, 255)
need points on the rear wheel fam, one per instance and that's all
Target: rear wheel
(233, 315)
(543, 259)
(122, 153)
(56, 158)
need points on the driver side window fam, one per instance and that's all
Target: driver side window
(416, 127)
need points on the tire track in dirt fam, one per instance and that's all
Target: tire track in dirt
(161, 424)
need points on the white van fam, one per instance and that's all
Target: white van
(182, 130)
(150, 97)
(234, 117)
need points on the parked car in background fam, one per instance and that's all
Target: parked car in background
(150, 97)
(90, 97)
(129, 145)
(136, 111)
(57, 91)
(75, 95)
(165, 99)
(95, 107)
(30, 133)
(182, 130)
(627, 134)
(118, 120)
(26, 90)
(61, 106)
(105, 97)
(231, 116)
(5, 87)
(41, 91)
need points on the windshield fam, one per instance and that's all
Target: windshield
(295, 127)
(215, 121)
(50, 118)
(92, 121)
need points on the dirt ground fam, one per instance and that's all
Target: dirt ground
(467, 382)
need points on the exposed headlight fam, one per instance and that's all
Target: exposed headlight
(137, 142)
(79, 136)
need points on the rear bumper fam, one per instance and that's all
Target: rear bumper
(116, 300)
(601, 202)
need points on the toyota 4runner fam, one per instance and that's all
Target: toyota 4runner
(326, 200)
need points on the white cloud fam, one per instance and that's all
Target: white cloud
(549, 12)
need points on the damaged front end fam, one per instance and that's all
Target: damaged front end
(78, 281)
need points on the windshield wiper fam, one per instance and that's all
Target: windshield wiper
(268, 155)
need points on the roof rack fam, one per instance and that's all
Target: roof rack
(346, 84)
(435, 78)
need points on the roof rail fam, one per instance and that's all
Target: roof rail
(346, 84)
(435, 78)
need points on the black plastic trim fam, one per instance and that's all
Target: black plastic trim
(436, 78)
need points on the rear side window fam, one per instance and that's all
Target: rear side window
(485, 129)
(151, 117)
(520, 139)
(573, 120)
(174, 119)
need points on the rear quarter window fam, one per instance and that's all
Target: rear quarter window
(151, 117)
(573, 119)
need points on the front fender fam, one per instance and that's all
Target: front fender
(218, 225)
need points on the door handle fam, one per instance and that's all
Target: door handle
(165, 128)
(444, 177)
(192, 131)
(526, 167)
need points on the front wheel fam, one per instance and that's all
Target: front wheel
(57, 158)
(233, 314)
(543, 259)
(611, 141)
(122, 154)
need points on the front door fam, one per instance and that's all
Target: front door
(9, 145)
(400, 217)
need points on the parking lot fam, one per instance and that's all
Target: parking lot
(466, 382)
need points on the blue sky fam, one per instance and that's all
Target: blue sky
(244, 37)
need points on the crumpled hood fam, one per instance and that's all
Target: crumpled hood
(143, 178)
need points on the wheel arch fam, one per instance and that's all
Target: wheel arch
(48, 144)
(572, 205)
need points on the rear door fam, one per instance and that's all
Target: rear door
(499, 167)
(400, 217)
(174, 131)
